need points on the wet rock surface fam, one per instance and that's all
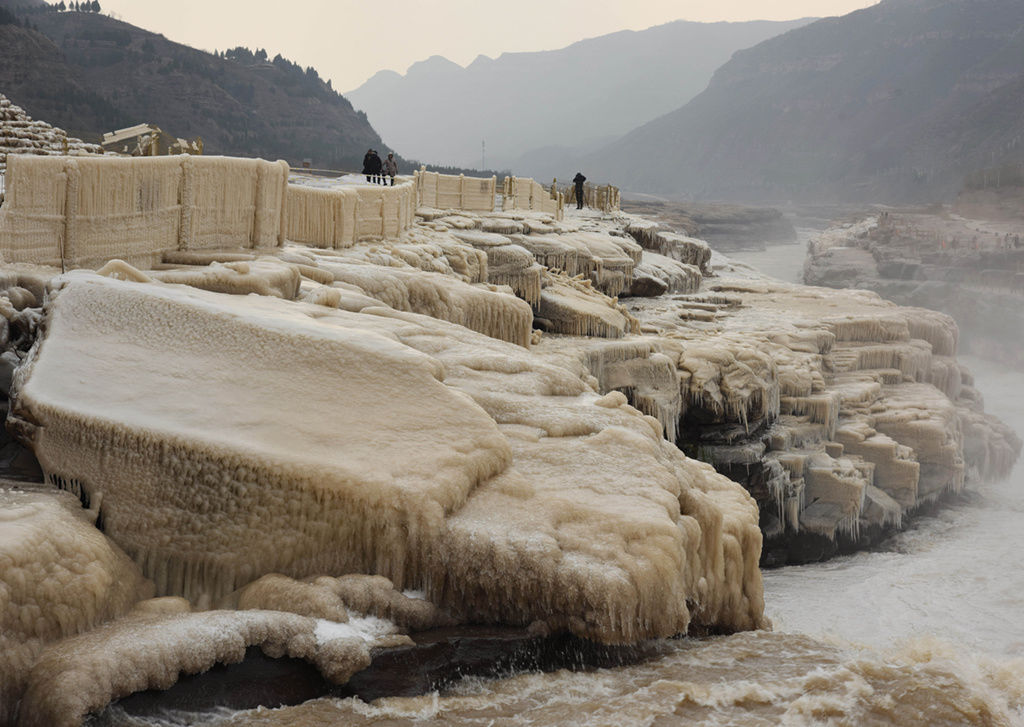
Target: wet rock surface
(438, 659)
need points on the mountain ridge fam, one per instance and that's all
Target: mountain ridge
(881, 104)
(574, 96)
(90, 73)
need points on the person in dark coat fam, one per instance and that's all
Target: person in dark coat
(578, 180)
(368, 163)
(376, 165)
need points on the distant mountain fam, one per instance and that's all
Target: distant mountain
(89, 73)
(896, 102)
(548, 105)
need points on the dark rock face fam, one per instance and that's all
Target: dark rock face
(256, 681)
(437, 660)
(441, 657)
(645, 286)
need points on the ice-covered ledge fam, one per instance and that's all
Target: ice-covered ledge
(428, 409)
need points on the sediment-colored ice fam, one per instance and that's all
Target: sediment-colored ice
(59, 576)
(317, 430)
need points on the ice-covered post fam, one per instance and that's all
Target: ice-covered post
(462, 191)
(186, 200)
(282, 222)
(355, 218)
(73, 177)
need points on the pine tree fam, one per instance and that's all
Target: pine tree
(61, 7)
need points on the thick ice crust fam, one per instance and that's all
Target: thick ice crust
(228, 437)
(59, 576)
(83, 674)
(258, 437)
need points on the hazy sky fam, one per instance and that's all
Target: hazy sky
(348, 41)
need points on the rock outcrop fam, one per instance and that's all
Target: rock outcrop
(969, 268)
(386, 431)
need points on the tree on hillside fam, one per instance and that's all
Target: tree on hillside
(95, 6)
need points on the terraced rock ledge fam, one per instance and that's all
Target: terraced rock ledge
(497, 419)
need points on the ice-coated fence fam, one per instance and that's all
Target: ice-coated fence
(522, 193)
(83, 211)
(604, 197)
(447, 191)
(1007, 175)
(339, 217)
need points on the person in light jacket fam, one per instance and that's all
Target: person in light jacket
(391, 167)
(578, 180)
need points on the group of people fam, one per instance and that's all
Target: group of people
(377, 170)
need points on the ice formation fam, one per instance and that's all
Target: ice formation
(59, 576)
(503, 430)
(330, 598)
(346, 370)
(84, 673)
(84, 211)
(339, 217)
(446, 191)
(319, 425)
(572, 306)
(685, 249)
(525, 194)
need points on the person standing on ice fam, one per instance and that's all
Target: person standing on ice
(368, 164)
(378, 167)
(578, 180)
(391, 167)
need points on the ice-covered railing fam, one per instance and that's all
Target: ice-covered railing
(339, 217)
(447, 191)
(83, 211)
(604, 197)
(523, 193)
